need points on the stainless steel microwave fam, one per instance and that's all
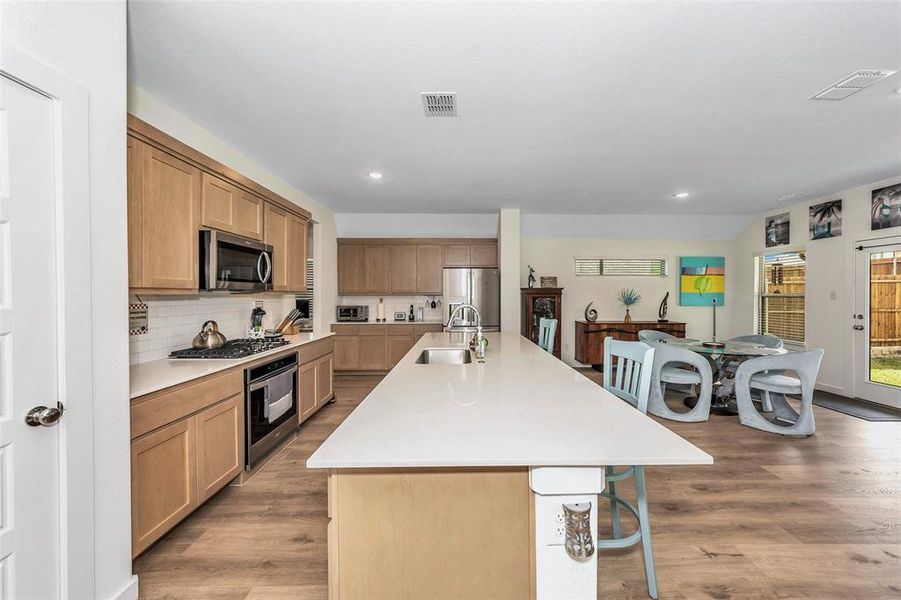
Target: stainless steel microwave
(234, 263)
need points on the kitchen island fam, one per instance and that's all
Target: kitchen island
(447, 480)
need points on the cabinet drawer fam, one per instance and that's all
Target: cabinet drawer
(428, 328)
(400, 329)
(315, 350)
(345, 329)
(371, 330)
(155, 410)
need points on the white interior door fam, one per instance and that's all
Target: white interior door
(30, 542)
(877, 322)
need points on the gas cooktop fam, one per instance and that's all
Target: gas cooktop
(232, 349)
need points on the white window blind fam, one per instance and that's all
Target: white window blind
(780, 295)
(621, 267)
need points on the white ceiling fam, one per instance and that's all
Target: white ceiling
(564, 108)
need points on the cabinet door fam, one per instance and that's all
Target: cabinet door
(220, 445)
(170, 219)
(324, 372)
(248, 215)
(163, 481)
(306, 390)
(135, 227)
(483, 255)
(372, 352)
(396, 347)
(347, 353)
(375, 269)
(403, 268)
(456, 255)
(428, 269)
(218, 204)
(350, 268)
(297, 263)
(277, 236)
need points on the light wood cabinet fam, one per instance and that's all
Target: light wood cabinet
(350, 268)
(347, 353)
(249, 215)
(372, 352)
(403, 269)
(218, 203)
(396, 346)
(164, 195)
(163, 481)
(220, 445)
(376, 272)
(429, 269)
(325, 389)
(306, 391)
(456, 255)
(483, 255)
(297, 255)
(277, 236)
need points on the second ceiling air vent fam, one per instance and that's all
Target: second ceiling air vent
(439, 104)
(852, 84)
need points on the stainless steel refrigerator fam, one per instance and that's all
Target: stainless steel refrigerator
(479, 287)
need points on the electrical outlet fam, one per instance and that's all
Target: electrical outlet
(560, 531)
(558, 527)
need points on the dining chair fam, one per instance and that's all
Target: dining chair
(766, 341)
(670, 364)
(770, 375)
(651, 335)
(628, 369)
(547, 334)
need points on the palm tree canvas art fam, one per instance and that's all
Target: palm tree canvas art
(826, 220)
(886, 208)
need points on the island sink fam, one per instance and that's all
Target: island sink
(444, 356)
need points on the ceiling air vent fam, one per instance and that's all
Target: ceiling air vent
(851, 84)
(439, 104)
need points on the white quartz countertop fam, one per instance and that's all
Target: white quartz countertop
(520, 407)
(159, 374)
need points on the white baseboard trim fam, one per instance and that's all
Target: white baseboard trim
(130, 591)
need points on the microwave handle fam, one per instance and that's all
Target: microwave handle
(264, 278)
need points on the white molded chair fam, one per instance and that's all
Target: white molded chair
(651, 335)
(768, 374)
(633, 364)
(666, 371)
(547, 334)
(767, 341)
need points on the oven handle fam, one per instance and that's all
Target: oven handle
(254, 386)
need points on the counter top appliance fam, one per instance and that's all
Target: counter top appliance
(238, 348)
(352, 313)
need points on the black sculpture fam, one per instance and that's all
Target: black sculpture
(661, 313)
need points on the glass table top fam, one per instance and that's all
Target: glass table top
(731, 348)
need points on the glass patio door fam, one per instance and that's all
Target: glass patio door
(877, 322)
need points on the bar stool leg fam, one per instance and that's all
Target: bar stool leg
(614, 508)
(645, 526)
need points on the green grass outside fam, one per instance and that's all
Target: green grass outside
(885, 369)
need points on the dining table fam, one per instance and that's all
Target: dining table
(724, 360)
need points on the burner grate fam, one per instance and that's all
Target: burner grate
(231, 349)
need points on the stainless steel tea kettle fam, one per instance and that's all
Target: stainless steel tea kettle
(209, 336)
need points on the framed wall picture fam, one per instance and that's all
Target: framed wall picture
(826, 220)
(549, 281)
(885, 211)
(702, 279)
(777, 230)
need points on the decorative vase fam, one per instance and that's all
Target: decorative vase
(628, 318)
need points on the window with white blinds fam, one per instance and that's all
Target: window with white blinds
(780, 295)
(621, 267)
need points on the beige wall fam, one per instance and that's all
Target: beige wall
(830, 297)
(325, 250)
(554, 256)
(509, 249)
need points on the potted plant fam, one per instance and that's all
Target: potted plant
(628, 298)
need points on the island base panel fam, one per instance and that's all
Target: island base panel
(430, 533)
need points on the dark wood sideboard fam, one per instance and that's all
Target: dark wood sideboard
(590, 336)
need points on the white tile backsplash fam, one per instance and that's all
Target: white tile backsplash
(394, 304)
(173, 322)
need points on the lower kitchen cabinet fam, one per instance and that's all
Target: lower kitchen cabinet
(306, 391)
(347, 352)
(376, 347)
(163, 481)
(372, 349)
(397, 346)
(325, 370)
(220, 445)
(317, 367)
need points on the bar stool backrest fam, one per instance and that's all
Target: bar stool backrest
(628, 368)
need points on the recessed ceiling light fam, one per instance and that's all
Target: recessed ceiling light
(375, 175)
(681, 195)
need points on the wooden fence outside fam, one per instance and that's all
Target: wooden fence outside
(885, 301)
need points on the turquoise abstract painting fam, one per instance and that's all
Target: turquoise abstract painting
(702, 279)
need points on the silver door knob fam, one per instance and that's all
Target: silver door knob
(858, 327)
(44, 416)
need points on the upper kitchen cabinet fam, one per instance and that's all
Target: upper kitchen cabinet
(164, 198)
(174, 191)
(483, 255)
(403, 269)
(228, 208)
(429, 269)
(351, 258)
(376, 271)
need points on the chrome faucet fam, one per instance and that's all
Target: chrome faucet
(478, 342)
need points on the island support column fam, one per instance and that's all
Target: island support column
(557, 574)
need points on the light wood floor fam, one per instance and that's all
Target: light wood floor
(773, 518)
